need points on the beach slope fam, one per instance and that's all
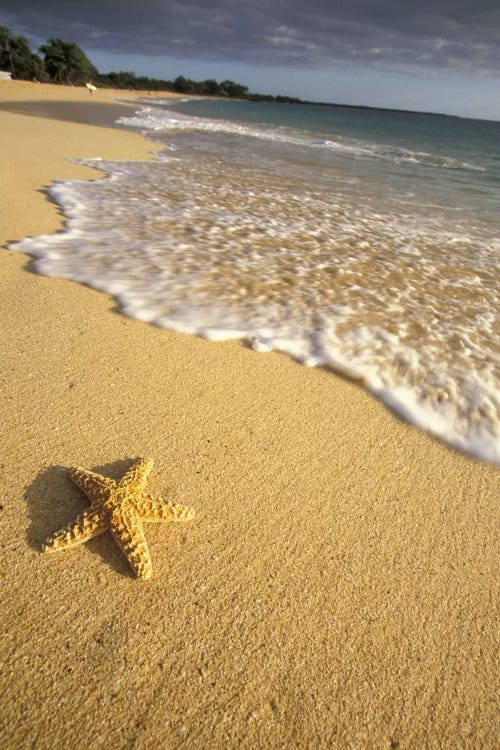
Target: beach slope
(337, 587)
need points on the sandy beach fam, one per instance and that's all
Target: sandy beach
(338, 587)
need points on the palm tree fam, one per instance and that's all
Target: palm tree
(66, 62)
(17, 57)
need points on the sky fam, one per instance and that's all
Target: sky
(425, 55)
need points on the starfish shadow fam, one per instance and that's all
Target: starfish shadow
(54, 501)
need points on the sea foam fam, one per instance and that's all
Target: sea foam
(404, 306)
(155, 119)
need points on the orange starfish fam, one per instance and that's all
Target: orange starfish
(121, 507)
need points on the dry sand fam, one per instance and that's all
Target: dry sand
(337, 588)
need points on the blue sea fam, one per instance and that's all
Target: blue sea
(360, 240)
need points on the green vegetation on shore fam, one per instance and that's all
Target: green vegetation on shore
(66, 63)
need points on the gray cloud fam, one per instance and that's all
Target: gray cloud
(460, 35)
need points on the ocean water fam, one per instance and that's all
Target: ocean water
(364, 241)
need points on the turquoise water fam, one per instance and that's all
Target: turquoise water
(461, 139)
(363, 241)
(407, 146)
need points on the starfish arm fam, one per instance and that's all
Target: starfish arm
(94, 485)
(137, 476)
(90, 523)
(127, 531)
(156, 509)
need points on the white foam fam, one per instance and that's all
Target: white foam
(331, 283)
(153, 119)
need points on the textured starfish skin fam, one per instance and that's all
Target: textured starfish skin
(120, 507)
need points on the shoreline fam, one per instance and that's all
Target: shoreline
(336, 586)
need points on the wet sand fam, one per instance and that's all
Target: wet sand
(98, 113)
(338, 586)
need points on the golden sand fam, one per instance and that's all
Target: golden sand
(338, 587)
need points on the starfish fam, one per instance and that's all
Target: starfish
(120, 507)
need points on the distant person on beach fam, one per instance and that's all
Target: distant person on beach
(91, 87)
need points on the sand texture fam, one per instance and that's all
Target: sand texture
(338, 586)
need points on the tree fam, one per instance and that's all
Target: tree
(66, 62)
(17, 57)
(233, 90)
(210, 87)
(184, 85)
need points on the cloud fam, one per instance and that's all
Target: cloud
(456, 35)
